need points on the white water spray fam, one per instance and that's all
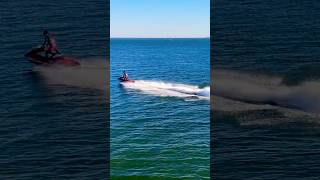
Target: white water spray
(262, 90)
(91, 74)
(166, 89)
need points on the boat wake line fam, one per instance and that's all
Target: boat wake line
(261, 99)
(91, 74)
(168, 89)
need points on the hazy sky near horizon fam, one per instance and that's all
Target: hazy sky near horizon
(160, 18)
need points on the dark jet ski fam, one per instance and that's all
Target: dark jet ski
(122, 79)
(37, 56)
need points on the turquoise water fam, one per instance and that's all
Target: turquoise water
(160, 123)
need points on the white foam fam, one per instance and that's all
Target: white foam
(91, 74)
(167, 89)
(259, 89)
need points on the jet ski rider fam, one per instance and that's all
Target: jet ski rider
(125, 76)
(49, 45)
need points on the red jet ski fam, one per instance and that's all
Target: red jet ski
(38, 57)
(122, 79)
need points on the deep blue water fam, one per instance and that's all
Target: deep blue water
(53, 124)
(266, 89)
(160, 123)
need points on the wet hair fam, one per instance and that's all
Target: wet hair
(45, 32)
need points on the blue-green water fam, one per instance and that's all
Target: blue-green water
(160, 123)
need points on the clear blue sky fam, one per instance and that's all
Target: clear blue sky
(160, 18)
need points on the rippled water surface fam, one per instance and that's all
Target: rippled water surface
(53, 121)
(266, 89)
(160, 123)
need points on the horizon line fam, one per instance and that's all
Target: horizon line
(160, 37)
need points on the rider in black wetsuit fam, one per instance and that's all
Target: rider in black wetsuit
(125, 75)
(49, 45)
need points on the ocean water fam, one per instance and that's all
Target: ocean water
(265, 98)
(53, 121)
(160, 123)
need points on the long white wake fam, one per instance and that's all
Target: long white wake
(166, 89)
(91, 74)
(260, 89)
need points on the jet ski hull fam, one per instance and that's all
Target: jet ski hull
(121, 79)
(35, 57)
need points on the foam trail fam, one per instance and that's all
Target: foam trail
(260, 89)
(166, 89)
(91, 74)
